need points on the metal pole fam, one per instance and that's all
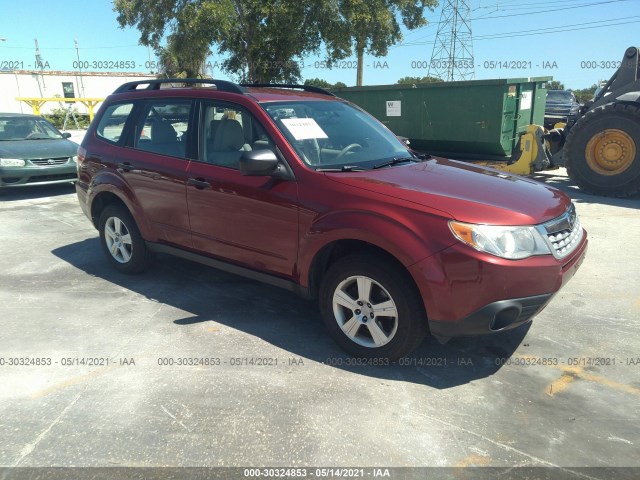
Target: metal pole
(75, 41)
(39, 63)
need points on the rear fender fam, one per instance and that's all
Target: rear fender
(107, 182)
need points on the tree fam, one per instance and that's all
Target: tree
(583, 95)
(264, 40)
(371, 26)
(555, 85)
(417, 80)
(318, 82)
(182, 57)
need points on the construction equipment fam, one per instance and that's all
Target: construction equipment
(531, 153)
(601, 147)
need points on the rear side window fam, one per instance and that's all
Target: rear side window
(112, 123)
(164, 128)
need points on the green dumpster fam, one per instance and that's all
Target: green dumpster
(478, 119)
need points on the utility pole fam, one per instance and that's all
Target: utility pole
(360, 67)
(81, 86)
(452, 56)
(40, 64)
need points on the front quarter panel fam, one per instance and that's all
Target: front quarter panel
(329, 215)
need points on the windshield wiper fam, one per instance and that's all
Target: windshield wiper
(395, 161)
(344, 168)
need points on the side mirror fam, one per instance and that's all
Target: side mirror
(66, 135)
(259, 163)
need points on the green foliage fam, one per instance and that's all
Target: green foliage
(371, 26)
(585, 94)
(266, 40)
(555, 85)
(182, 57)
(318, 82)
(263, 40)
(417, 80)
(57, 116)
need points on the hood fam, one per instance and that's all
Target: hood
(38, 149)
(466, 192)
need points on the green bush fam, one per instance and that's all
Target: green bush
(57, 116)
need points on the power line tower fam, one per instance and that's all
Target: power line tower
(452, 57)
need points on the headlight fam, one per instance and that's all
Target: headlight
(75, 158)
(507, 242)
(12, 162)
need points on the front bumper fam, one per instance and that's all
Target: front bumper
(37, 175)
(552, 119)
(466, 292)
(495, 317)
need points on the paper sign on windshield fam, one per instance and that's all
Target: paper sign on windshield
(303, 128)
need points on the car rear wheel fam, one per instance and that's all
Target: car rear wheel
(372, 308)
(121, 240)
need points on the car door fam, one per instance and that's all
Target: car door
(155, 167)
(251, 221)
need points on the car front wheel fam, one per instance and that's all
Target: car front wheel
(372, 308)
(121, 240)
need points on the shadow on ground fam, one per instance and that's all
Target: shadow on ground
(562, 182)
(288, 322)
(13, 194)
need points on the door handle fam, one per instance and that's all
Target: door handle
(126, 166)
(200, 183)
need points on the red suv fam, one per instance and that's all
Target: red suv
(298, 188)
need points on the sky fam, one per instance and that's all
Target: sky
(577, 42)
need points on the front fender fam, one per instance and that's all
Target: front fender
(409, 242)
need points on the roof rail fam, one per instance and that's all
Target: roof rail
(221, 85)
(306, 88)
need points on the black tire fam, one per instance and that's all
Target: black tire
(584, 168)
(130, 251)
(390, 282)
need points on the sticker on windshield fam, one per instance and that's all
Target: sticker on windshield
(304, 128)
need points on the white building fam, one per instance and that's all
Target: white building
(50, 83)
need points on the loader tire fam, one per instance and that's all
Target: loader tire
(602, 151)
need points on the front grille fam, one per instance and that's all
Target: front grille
(563, 233)
(46, 162)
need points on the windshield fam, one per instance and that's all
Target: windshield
(27, 128)
(331, 134)
(560, 96)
